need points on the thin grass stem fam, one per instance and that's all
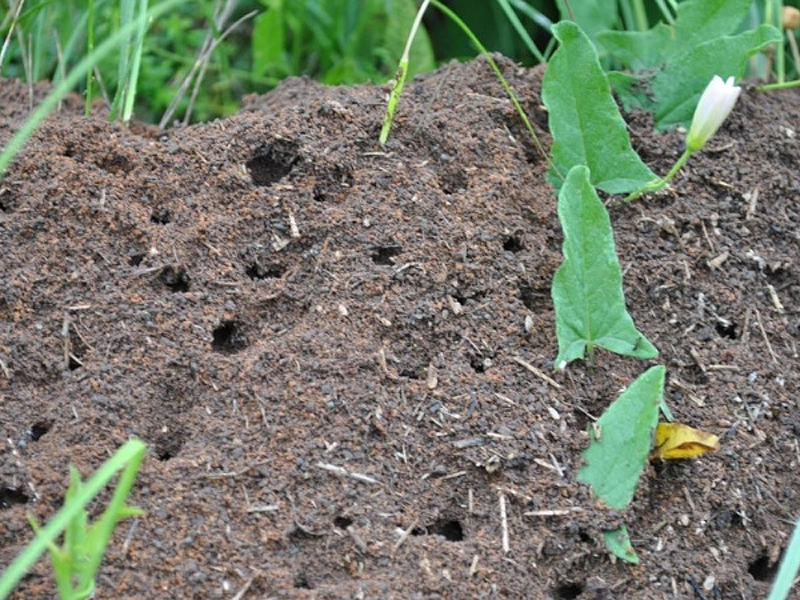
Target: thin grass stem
(640, 15)
(767, 87)
(780, 51)
(89, 49)
(520, 29)
(14, 21)
(41, 112)
(514, 100)
(400, 75)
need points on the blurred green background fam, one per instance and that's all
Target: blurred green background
(335, 41)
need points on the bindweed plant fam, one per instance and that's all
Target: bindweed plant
(75, 563)
(668, 70)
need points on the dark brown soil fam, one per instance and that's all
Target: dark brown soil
(324, 344)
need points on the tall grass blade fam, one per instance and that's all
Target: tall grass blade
(400, 76)
(788, 569)
(73, 77)
(520, 29)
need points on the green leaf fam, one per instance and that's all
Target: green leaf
(678, 87)
(697, 22)
(621, 440)
(587, 288)
(618, 543)
(592, 17)
(700, 21)
(268, 40)
(639, 50)
(584, 120)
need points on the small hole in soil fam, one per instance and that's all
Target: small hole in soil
(762, 570)
(175, 278)
(161, 216)
(513, 244)
(38, 429)
(568, 591)
(259, 271)
(453, 181)
(342, 522)
(229, 337)
(6, 200)
(726, 329)
(449, 529)
(10, 496)
(136, 259)
(115, 163)
(534, 299)
(384, 255)
(77, 350)
(273, 162)
(479, 364)
(168, 449)
(301, 582)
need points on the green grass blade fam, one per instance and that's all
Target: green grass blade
(520, 29)
(70, 81)
(132, 77)
(132, 452)
(400, 76)
(788, 569)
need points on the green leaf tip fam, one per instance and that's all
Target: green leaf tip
(584, 120)
(618, 543)
(621, 440)
(587, 288)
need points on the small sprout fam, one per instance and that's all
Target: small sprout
(715, 104)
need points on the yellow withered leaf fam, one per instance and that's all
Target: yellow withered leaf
(673, 441)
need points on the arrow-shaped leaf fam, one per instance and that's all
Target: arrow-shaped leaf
(587, 288)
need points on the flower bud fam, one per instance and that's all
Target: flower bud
(791, 18)
(714, 106)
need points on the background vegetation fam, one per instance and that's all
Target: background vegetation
(203, 56)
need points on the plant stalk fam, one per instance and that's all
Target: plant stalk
(657, 184)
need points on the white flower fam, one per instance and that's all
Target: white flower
(713, 108)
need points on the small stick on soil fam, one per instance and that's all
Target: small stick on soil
(556, 512)
(65, 335)
(473, 568)
(751, 209)
(504, 523)
(240, 594)
(514, 493)
(536, 372)
(359, 542)
(129, 538)
(708, 238)
(404, 535)
(764, 335)
(345, 473)
(4, 368)
(293, 229)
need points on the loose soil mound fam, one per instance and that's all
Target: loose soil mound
(324, 343)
